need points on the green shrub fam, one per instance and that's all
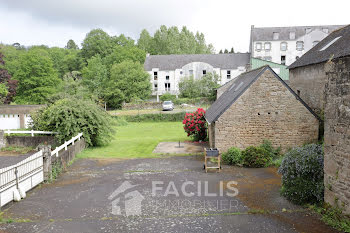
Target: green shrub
(255, 157)
(302, 174)
(71, 116)
(161, 117)
(274, 153)
(167, 97)
(233, 156)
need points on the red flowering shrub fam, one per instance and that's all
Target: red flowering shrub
(195, 125)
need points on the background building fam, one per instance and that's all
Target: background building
(284, 45)
(259, 105)
(167, 70)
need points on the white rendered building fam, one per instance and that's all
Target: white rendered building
(167, 70)
(284, 45)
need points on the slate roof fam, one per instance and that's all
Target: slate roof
(239, 85)
(266, 33)
(172, 62)
(320, 53)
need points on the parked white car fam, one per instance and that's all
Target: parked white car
(168, 105)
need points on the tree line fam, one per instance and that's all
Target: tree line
(106, 69)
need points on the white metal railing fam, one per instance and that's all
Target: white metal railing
(32, 132)
(25, 175)
(66, 144)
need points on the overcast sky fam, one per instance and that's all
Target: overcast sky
(225, 23)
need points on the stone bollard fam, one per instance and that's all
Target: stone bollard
(47, 161)
(2, 139)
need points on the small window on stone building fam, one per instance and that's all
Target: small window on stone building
(258, 113)
(167, 77)
(204, 72)
(228, 74)
(269, 113)
(155, 75)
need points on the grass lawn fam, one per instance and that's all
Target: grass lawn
(137, 140)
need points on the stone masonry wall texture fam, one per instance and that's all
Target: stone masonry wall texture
(266, 110)
(310, 81)
(337, 134)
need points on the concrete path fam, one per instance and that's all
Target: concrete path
(117, 196)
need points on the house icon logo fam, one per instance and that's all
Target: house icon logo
(132, 200)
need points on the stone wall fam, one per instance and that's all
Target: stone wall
(337, 134)
(28, 141)
(267, 110)
(310, 82)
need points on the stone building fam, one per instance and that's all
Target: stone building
(259, 105)
(307, 76)
(284, 45)
(337, 121)
(166, 71)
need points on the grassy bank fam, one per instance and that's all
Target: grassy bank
(137, 140)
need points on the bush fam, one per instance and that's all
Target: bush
(302, 174)
(161, 117)
(195, 125)
(233, 156)
(69, 117)
(255, 157)
(273, 153)
(167, 97)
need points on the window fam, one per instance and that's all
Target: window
(315, 43)
(300, 45)
(191, 72)
(292, 35)
(283, 46)
(228, 74)
(204, 72)
(155, 75)
(167, 86)
(258, 46)
(167, 77)
(268, 58)
(283, 60)
(325, 30)
(181, 72)
(276, 35)
(156, 87)
(330, 43)
(307, 30)
(267, 46)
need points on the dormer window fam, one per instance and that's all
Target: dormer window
(276, 35)
(292, 35)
